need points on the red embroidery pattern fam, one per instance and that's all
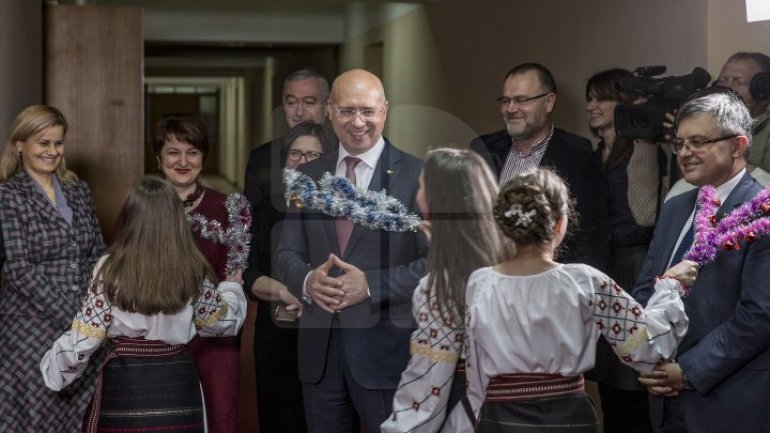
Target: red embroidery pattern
(617, 317)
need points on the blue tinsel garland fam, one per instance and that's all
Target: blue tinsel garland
(336, 196)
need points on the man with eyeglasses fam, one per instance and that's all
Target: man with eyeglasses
(720, 379)
(530, 140)
(737, 74)
(279, 393)
(356, 282)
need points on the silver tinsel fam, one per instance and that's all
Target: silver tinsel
(336, 196)
(237, 236)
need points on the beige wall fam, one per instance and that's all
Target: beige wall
(728, 32)
(21, 59)
(449, 57)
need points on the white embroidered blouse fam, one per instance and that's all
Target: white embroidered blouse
(218, 311)
(550, 322)
(421, 399)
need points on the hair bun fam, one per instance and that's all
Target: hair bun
(529, 205)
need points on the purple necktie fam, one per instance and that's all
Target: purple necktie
(344, 225)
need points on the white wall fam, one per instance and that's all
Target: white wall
(728, 32)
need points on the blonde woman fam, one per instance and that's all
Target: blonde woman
(52, 241)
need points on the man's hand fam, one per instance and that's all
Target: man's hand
(685, 271)
(666, 380)
(668, 126)
(354, 284)
(325, 291)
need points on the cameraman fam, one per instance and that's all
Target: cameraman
(736, 75)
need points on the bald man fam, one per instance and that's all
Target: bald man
(356, 282)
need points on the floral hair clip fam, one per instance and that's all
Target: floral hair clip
(523, 219)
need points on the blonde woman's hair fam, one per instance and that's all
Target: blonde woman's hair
(154, 265)
(31, 121)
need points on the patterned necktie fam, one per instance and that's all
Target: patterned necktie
(344, 225)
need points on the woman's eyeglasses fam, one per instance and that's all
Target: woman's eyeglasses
(296, 155)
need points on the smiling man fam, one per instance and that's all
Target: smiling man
(356, 282)
(530, 140)
(722, 371)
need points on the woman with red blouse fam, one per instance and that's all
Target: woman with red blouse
(180, 142)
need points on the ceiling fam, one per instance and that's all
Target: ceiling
(249, 6)
(249, 23)
(234, 6)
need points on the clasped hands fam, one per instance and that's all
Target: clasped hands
(335, 294)
(666, 380)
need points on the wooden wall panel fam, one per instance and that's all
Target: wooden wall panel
(94, 74)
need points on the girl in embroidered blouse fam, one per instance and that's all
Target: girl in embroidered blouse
(457, 191)
(532, 323)
(150, 295)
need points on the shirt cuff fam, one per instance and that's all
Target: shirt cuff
(305, 297)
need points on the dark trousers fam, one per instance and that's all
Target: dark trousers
(279, 392)
(338, 402)
(673, 422)
(625, 411)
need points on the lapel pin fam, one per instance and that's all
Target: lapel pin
(389, 171)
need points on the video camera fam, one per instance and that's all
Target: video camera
(663, 95)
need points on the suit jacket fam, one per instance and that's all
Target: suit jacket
(572, 157)
(264, 191)
(726, 352)
(376, 332)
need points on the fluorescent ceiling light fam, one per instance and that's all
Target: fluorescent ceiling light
(757, 10)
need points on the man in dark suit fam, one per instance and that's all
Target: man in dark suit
(530, 140)
(721, 377)
(279, 394)
(357, 282)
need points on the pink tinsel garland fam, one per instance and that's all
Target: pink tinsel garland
(743, 224)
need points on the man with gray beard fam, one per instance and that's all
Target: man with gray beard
(530, 140)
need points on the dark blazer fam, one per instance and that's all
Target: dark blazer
(375, 333)
(726, 352)
(279, 396)
(264, 191)
(572, 157)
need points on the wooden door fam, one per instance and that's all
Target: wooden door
(94, 75)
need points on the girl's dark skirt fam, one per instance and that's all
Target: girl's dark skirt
(568, 411)
(147, 386)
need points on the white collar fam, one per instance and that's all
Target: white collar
(724, 190)
(369, 157)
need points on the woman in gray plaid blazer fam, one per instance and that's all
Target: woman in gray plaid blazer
(52, 241)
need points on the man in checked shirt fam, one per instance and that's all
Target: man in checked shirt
(530, 140)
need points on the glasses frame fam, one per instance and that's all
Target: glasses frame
(302, 155)
(520, 101)
(356, 112)
(678, 144)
